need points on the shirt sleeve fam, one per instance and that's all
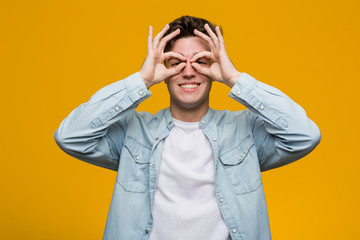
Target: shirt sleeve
(282, 131)
(95, 131)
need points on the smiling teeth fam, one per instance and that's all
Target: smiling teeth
(189, 86)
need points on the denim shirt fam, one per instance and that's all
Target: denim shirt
(108, 132)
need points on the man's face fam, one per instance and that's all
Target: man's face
(189, 89)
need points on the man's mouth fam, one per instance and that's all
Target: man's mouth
(190, 85)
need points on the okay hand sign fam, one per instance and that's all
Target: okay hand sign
(221, 69)
(153, 70)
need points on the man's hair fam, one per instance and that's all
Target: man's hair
(187, 25)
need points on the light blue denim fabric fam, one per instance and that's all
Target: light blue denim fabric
(107, 132)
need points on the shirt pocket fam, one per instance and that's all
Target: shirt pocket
(133, 172)
(241, 166)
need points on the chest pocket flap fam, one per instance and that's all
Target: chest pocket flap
(241, 166)
(138, 152)
(237, 155)
(134, 166)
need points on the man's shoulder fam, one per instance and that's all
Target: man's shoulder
(227, 116)
(148, 118)
(148, 115)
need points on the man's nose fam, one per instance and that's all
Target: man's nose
(188, 70)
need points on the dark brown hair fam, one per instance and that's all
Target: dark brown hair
(187, 25)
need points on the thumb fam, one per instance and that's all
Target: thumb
(202, 70)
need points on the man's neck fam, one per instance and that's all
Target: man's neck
(188, 115)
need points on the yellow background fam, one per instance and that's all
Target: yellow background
(56, 54)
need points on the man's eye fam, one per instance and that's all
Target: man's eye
(175, 64)
(201, 62)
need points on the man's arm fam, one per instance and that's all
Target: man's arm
(94, 132)
(281, 129)
(282, 132)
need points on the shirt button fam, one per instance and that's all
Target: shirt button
(214, 139)
(240, 158)
(238, 93)
(146, 231)
(156, 139)
(141, 92)
(202, 121)
(170, 122)
(153, 166)
(262, 107)
(117, 108)
(234, 230)
(221, 200)
(137, 157)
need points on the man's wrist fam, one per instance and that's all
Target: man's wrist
(147, 83)
(231, 81)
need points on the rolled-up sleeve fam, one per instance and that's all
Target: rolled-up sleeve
(282, 131)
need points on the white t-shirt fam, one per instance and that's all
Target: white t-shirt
(185, 205)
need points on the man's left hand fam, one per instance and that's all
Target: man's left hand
(221, 69)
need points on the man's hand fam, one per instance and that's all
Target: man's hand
(153, 70)
(221, 69)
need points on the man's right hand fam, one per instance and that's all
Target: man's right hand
(153, 70)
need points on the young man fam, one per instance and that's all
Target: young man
(188, 172)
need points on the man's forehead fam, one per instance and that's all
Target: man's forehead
(189, 43)
(190, 46)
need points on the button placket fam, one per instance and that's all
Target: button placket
(153, 166)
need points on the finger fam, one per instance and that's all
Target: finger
(169, 55)
(212, 35)
(176, 70)
(203, 54)
(167, 38)
(160, 34)
(149, 40)
(221, 39)
(202, 70)
(206, 38)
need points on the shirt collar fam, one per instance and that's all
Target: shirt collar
(205, 120)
